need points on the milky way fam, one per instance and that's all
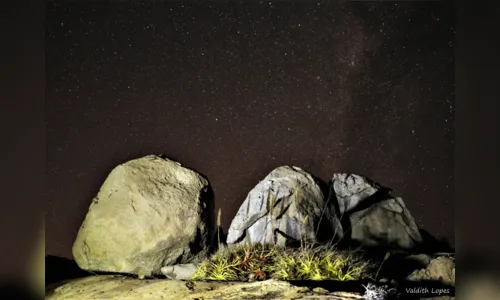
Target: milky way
(235, 90)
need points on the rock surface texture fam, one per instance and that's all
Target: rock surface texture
(352, 190)
(375, 217)
(286, 206)
(440, 269)
(180, 272)
(126, 288)
(150, 212)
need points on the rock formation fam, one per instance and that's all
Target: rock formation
(285, 206)
(150, 212)
(375, 218)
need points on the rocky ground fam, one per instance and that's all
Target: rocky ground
(153, 221)
(127, 288)
(437, 275)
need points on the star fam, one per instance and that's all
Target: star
(232, 89)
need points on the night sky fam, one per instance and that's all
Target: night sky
(236, 89)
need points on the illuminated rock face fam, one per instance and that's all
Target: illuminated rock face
(353, 190)
(376, 218)
(150, 212)
(386, 223)
(286, 206)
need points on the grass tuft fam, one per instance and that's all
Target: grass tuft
(263, 261)
(260, 262)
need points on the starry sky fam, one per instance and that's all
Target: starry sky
(235, 89)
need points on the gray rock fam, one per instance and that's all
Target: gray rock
(439, 269)
(180, 272)
(386, 223)
(149, 213)
(286, 206)
(375, 217)
(351, 190)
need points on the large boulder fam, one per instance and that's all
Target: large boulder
(375, 217)
(286, 206)
(150, 212)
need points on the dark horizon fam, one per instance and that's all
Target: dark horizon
(235, 90)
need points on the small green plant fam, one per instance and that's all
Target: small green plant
(259, 262)
(221, 270)
(221, 267)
